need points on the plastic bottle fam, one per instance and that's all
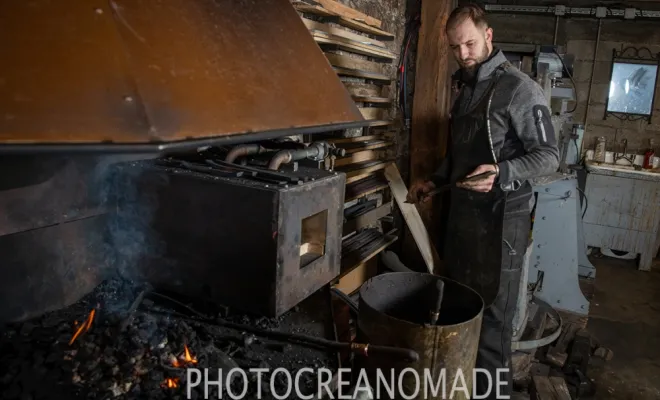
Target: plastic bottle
(648, 156)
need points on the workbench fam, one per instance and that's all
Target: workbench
(623, 210)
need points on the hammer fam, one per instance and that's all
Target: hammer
(448, 186)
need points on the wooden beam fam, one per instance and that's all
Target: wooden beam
(337, 31)
(412, 217)
(350, 13)
(431, 103)
(343, 61)
(352, 46)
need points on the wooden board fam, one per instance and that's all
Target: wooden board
(545, 388)
(354, 279)
(362, 89)
(431, 103)
(361, 27)
(411, 216)
(372, 99)
(362, 74)
(314, 10)
(368, 146)
(354, 139)
(358, 157)
(352, 45)
(367, 219)
(344, 61)
(334, 30)
(380, 122)
(349, 13)
(356, 173)
(372, 112)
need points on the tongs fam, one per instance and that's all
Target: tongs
(448, 186)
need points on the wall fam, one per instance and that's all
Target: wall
(579, 37)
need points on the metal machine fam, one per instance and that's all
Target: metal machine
(557, 255)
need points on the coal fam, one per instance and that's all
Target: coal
(136, 361)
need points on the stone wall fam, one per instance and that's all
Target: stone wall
(579, 37)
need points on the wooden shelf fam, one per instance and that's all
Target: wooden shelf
(368, 218)
(365, 187)
(337, 31)
(362, 74)
(380, 122)
(359, 156)
(352, 45)
(343, 20)
(358, 171)
(362, 247)
(372, 99)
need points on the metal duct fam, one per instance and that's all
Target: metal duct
(595, 12)
(152, 76)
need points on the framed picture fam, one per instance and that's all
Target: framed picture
(633, 82)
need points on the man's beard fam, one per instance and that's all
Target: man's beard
(472, 69)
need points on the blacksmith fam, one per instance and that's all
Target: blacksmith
(500, 122)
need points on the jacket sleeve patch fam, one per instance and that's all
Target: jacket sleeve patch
(543, 124)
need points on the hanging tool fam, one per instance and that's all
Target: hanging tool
(448, 186)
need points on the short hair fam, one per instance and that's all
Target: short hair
(468, 11)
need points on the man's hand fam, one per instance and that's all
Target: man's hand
(482, 185)
(418, 192)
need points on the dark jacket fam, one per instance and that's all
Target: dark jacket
(523, 138)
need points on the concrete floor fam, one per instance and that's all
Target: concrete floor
(625, 317)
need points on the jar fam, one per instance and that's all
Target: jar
(599, 153)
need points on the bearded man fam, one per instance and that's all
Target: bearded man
(500, 122)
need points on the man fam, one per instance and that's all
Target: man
(500, 122)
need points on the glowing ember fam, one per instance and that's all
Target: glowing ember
(84, 327)
(184, 359)
(171, 383)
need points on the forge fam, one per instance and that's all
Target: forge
(137, 240)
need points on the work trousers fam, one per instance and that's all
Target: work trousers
(494, 353)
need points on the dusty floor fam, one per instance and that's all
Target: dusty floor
(625, 317)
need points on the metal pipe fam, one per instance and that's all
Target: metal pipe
(586, 12)
(244, 150)
(286, 156)
(591, 80)
(554, 38)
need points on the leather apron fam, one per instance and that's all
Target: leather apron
(474, 240)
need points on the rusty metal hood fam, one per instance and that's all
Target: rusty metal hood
(159, 74)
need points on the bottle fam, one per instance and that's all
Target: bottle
(648, 156)
(599, 153)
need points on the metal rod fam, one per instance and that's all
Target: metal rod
(585, 12)
(358, 348)
(591, 79)
(554, 38)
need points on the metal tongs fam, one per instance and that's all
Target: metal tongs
(448, 186)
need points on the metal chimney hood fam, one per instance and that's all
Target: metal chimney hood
(156, 76)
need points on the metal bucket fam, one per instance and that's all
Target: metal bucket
(393, 310)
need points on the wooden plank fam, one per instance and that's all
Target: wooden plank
(372, 112)
(354, 279)
(349, 13)
(366, 219)
(356, 174)
(314, 10)
(560, 388)
(362, 74)
(411, 216)
(362, 89)
(364, 28)
(372, 99)
(369, 146)
(380, 122)
(334, 30)
(352, 46)
(349, 265)
(358, 157)
(431, 103)
(354, 139)
(344, 61)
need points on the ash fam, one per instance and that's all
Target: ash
(125, 352)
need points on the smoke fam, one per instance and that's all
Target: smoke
(130, 240)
